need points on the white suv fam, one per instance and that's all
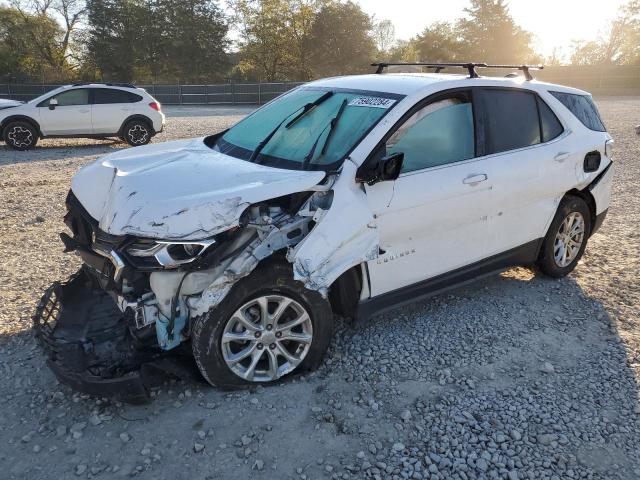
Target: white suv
(347, 195)
(82, 110)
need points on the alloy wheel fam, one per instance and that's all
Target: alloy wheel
(267, 338)
(20, 137)
(569, 239)
(138, 134)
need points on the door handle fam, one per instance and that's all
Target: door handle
(475, 179)
(561, 157)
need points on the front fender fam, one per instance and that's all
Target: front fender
(345, 236)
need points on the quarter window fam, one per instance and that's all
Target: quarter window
(510, 120)
(551, 126)
(438, 134)
(583, 108)
(107, 95)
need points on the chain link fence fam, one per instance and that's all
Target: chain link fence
(599, 80)
(221, 94)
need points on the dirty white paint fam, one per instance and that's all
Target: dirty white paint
(144, 191)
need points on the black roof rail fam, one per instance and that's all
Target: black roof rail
(123, 85)
(470, 66)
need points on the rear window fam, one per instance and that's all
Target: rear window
(510, 119)
(583, 108)
(107, 95)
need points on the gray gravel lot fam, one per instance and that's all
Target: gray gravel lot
(514, 377)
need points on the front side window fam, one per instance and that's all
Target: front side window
(510, 119)
(438, 134)
(310, 142)
(78, 96)
(583, 108)
(107, 95)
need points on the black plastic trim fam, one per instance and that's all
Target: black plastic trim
(525, 254)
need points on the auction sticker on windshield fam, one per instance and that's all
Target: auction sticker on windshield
(376, 102)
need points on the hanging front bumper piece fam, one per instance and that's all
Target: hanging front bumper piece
(90, 346)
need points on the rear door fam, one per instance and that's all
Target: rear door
(433, 218)
(524, 143)
(110, 109)
(71, 116)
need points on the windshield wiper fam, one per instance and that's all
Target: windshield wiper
(331, 126)
(306, 108)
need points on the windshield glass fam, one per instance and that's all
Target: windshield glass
(291, 143)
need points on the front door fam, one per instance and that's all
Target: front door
(434, 218)
(71, 116)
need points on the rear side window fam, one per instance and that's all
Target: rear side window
(107, 95)
(583, 108)
(510, 119)
(551, 126)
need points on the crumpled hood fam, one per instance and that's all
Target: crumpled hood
(178, 190)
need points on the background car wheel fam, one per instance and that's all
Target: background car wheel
(137, 132)
(20, 135)
(268, 326)
(567, 237)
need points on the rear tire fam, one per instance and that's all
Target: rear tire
(238, 327)
(566, 239)
(137, 132)
(20, 135)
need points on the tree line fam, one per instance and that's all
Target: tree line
(202, 41)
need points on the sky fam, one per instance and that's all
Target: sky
(555, 23)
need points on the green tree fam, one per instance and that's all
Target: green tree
(619, 44)
(384, 34)
(29, 47)
(440, 42)
(341, 40)
(157, 40)
(490, 34)
(274, 38)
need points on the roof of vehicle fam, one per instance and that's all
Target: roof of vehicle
(409, 83)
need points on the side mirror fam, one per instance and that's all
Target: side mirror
(53, 103)
(387, 168)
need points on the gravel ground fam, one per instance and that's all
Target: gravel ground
(515, 377)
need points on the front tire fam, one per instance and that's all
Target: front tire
(137, 132)
(267, 327)
(566, 239)
(20, 135)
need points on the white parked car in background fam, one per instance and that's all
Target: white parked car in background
(82, 110)
(347, 195)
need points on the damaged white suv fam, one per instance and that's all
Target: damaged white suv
(348, 195)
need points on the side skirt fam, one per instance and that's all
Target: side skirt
(525, 254)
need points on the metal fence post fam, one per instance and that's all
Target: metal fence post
(180, 92)
(259, 94)
(9, 91)
(233, 93)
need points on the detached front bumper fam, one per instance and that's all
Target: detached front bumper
(89, 345)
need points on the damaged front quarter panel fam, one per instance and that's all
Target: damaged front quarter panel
(345, 236)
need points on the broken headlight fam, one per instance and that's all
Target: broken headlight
(169, 254)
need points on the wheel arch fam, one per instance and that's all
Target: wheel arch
(585, 195)
(137, 116)
(20, 118)
(345, 291)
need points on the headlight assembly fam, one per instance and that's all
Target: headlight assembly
(169, 254)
